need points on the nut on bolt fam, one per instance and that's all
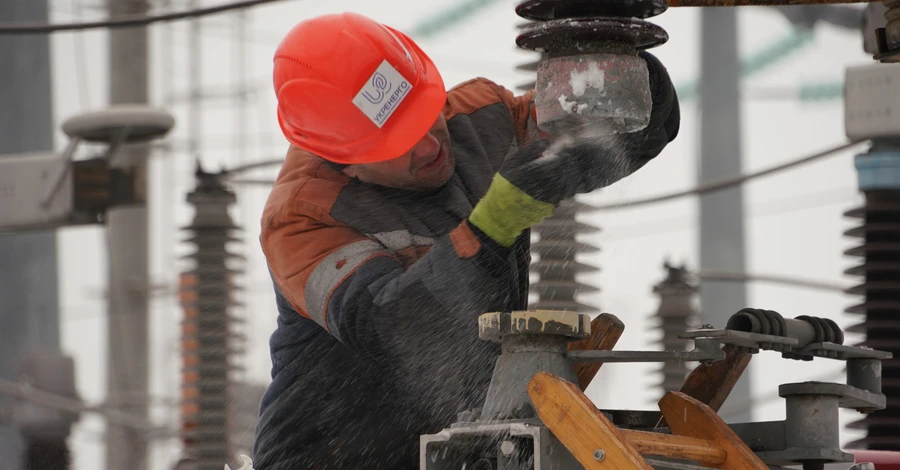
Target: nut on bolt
(495, 325)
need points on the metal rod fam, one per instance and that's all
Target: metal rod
(644, 356)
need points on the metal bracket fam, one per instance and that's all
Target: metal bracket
(66, 164)
(793, 456)
(848, 396)
(435, 454)
(751, 341)
(842, 352)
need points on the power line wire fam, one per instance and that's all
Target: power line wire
(773, 207)
(725, 183)
(127, 21)
(51, 400)
(773, 279)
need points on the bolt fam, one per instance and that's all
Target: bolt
(599, 455)
(507, 448)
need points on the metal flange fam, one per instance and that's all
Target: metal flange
(494, 326)
(120, 124)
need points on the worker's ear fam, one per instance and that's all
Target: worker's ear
(350, 170)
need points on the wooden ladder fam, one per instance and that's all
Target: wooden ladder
(698, 433)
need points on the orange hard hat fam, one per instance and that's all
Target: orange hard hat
(352, 90)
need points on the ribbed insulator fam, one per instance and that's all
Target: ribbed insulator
(880, 271)
(210, 344)
(676, 314)
(530, 67)
(554, 260)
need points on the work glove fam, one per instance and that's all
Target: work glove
(534, 180)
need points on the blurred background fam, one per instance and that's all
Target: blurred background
(78, 307)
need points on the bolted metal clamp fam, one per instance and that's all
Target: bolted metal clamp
(531, 341)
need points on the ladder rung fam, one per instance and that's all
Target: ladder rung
(678, 447)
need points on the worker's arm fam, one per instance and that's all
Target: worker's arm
(536, 179)
(420, 322)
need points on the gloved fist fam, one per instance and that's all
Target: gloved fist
(531, 182)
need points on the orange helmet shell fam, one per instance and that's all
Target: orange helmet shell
(352, 90)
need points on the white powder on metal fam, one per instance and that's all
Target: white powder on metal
(566, 105)
(592, 77)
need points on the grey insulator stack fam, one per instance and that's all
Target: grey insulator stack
(530, 67)
(555, 264)
(879, 178)
(210, 345)
(556, 249)
(676, 314)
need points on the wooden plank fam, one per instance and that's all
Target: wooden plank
(689, 417)
(606, 329)
(711, 384)
(581, 428)
(677, 447)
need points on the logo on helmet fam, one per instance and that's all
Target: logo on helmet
(382, 93)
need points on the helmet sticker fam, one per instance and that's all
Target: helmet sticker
(382, 93)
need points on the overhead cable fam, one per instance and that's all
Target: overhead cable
(127, 21)
(727, 182)
(773, 279)
(51, 400)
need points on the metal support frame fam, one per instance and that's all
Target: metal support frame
(535, 342)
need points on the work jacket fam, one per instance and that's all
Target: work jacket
(378, 293)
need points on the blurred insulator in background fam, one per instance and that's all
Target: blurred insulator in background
(676, 314)
(880, 270)
(210, 343)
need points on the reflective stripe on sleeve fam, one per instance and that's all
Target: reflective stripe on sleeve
(331, 271)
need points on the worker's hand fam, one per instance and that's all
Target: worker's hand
(665, 117)
(542, 174)
(588, 157)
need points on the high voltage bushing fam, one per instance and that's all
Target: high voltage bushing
(530, 67)
(879, 179)
(676, 313)
(590, 66)
(210, 343)
(887, 39)
(556, 266)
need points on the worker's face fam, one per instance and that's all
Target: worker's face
(428, 165)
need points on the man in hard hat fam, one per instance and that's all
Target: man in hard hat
(401, 214)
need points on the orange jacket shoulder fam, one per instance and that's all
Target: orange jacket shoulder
(477, 93)
(305, 181)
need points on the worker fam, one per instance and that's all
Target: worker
(401, 213)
